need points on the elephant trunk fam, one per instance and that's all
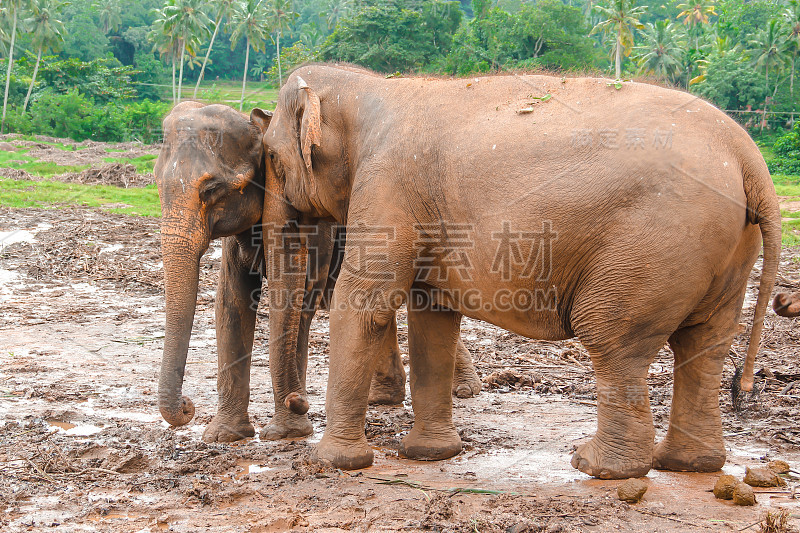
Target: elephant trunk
(181, 256)
(286, 260)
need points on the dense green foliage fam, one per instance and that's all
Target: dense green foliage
(394, 35)
(108, 54)
(547, 34)
(787, 153)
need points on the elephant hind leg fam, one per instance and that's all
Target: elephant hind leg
(388, 386)
(694, 439)
(622, 447)
(432, 338)
(621, 350)
(466, 382)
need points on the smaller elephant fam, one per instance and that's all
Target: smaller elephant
(786, 304)
(210, 175)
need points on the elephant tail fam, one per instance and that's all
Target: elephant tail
(762, 209)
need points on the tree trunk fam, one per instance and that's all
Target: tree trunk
(280, 73)
(208, 53)
(791, 87)
(33, 80)
(619, 57)
(8, 71)
(244, 76)
(173, 79)
(180, 77)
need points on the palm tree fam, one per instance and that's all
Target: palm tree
(695, 14)
(311, 35)
(618, 20)
(767, 49)
(225, 10)
(166, 43)
(662, 50)
(792, 46)
(14, 7)
(335, 10)
(47, 33)
(187, 21)
(109, 14)
(250, 20)
(280, 15)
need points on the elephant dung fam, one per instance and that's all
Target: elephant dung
(723, 488)
(632, 490)
(743, 495)
(778, 466)
(761, 476)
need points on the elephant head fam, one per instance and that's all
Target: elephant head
(786, 304)
(210, 175)
(311, 156)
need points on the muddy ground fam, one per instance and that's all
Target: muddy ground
(83, 447)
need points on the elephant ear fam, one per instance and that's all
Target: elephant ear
(260, 118)
(310, 127)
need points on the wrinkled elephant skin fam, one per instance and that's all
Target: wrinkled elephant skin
(551, 207)
(211, 176)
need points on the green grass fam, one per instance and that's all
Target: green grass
(61, 146)
(144, 164)
(138, 201)
(44, 169)
(786, 185)
(766, 152)
(257, 94)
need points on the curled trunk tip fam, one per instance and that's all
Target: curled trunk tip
(296, 403)
(179, 416)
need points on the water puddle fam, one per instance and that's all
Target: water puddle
(249, 467)
(75, 430)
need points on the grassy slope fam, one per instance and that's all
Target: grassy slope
(226, 92)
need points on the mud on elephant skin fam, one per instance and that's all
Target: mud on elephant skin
(643, 243)
(210, 174)
(786, 304)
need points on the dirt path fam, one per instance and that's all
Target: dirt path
(83, 448)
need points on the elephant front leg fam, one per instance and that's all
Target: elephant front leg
(357, 336)
(389, 382)
(235, 324)
(432, 338)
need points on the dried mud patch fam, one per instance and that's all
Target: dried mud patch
(83, 447)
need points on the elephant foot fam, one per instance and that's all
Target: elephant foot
(344, 454)
(595, 459)
(431, 445)
(290, 427)
(387, 392)
(675, 457)
(467, 385)
(223, 429)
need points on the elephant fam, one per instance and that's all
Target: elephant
(626, 215)
(210, 175)
(786, 304)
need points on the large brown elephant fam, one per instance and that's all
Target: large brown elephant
(786, 304)
(627, 217)
(210, 175)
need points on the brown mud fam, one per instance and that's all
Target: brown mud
(83, 447)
